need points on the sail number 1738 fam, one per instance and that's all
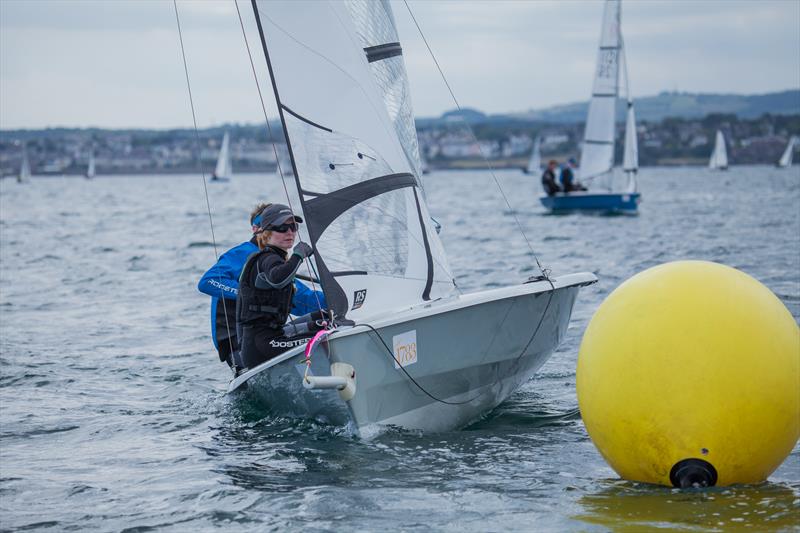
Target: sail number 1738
(405, 348)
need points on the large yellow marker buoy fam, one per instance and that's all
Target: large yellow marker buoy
(689, 375)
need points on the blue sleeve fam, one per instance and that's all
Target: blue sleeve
(306, 300)
(222, 279)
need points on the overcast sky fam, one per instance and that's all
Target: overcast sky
(117, 63)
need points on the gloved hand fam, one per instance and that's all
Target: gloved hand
(302, 250)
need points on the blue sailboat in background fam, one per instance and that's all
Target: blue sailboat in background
(597, 153)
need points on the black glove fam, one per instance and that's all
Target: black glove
(303, 250)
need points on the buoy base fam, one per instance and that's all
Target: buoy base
(693, 473)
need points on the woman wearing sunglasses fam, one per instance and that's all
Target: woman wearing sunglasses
(266, 288)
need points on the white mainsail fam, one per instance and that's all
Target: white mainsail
(357, 180)
(535, 162)
(597, 154)
(90, 172)
(25, 167)
(719, 157)
(224, 168)
(786, 158)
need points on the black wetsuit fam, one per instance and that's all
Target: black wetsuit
(266, 288)
(567, 179)
(549, 182)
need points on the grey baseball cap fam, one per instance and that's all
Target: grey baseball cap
(275, 215)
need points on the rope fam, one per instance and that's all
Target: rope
(205, 185)
(475, 140)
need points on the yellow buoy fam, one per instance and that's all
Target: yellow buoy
(689, 374)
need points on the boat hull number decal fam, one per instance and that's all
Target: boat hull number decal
(405, 348)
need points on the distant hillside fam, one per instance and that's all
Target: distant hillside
(650, 108)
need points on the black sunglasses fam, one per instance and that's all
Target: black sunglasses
(283, 228)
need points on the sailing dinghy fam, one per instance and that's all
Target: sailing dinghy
(407, 350)
(786, 159)
(223, 170)
(719, 157)
(597, 153)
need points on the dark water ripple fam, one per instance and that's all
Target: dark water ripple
(112, 411)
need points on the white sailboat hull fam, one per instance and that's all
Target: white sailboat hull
(472, 352)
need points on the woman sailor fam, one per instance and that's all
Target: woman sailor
(266, 288)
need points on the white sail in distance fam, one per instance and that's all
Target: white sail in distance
(597, 153)
(90, 171)
(224, 168)
(719, 157)
(358, 188)
(535, 162)
(25, 167)
(786, 158)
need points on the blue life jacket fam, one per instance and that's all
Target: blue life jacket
(222, 281)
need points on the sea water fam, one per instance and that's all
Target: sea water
(113, 415)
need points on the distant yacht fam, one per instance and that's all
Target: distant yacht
(786, 158)
(597, 152)
(535, 162)
(90, 167)
(719, 157)
(25, 167)
(224, 170)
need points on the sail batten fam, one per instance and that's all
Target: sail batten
(348, 138)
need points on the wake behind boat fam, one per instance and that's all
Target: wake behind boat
(407, 349)
(597, 153)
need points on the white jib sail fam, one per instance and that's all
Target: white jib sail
(224, 168)
(719, 157)
(597, 154)
(630, 160)
(786, 158)
(360, 195)
(535, 162)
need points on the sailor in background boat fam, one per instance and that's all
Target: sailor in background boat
(267, 289)
(567, 177)
(549, 178)
(222, 281)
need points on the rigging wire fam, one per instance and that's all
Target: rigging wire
(205, 185)
(475, 140)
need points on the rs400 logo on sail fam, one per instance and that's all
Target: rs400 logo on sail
(405, 348)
